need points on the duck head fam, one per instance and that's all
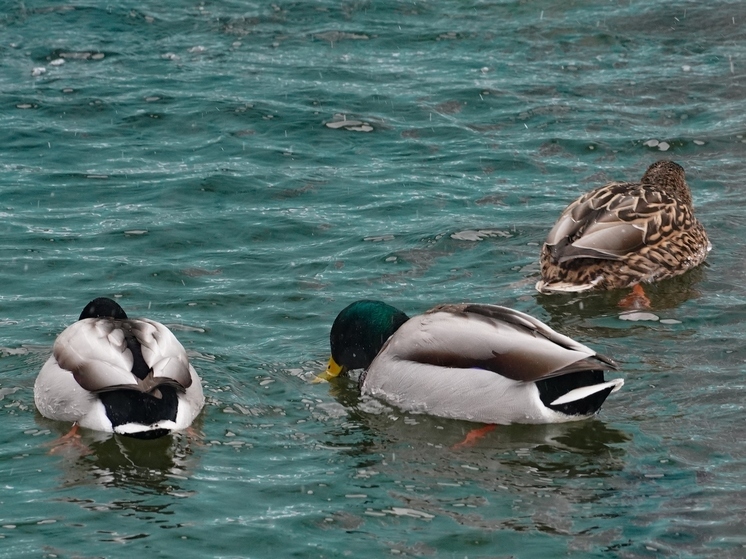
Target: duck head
(103, 307)
(670, 177)
(358, 334)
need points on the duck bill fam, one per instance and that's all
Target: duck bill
(333, 370)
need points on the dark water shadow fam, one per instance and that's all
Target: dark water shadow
(141, 467)
(517, 478)
(589, 445)
(574, 310)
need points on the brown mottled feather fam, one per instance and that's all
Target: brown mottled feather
(625, 233)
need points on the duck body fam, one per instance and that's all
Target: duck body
(111, 373)
(488, 364)
(622, 234)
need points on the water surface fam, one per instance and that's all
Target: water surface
(178, 157)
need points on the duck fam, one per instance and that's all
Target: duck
(116, 374)
(474, 362)
(625, 234)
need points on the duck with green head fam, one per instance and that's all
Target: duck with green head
(482, 363)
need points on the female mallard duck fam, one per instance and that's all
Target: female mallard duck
(622, 234)
(121, 375)
(480, 363)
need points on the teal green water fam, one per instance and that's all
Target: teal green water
(177, 156)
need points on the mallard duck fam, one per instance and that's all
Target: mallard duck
(622, 234)
(111, 373)
(482, 363)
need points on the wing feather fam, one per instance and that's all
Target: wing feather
(508, 342)
(162, 352)
(95, 354)
(611, 222)
(95, 351)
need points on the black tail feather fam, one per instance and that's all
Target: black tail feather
(552, 388)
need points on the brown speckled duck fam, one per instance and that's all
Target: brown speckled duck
(623, 234)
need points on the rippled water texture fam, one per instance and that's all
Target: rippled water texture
(189, 159)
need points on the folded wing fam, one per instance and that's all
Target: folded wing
(612, 222)
(508, 342)
(98, 352)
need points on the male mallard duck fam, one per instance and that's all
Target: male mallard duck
(481, 363)
(625, 233)
(121, 375)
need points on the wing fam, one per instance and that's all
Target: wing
(96, 352)
(162, 352)
(612, 221)
(510, 343)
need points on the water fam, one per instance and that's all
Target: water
(177, 156)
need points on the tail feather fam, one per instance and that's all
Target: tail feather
(140, 431)
(577, 394)
(585, 391)
(565, 287)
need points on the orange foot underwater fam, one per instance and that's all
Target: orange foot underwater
(637, 300)
(473, 436)
(69, 441)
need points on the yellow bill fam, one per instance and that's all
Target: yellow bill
(333, 370)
